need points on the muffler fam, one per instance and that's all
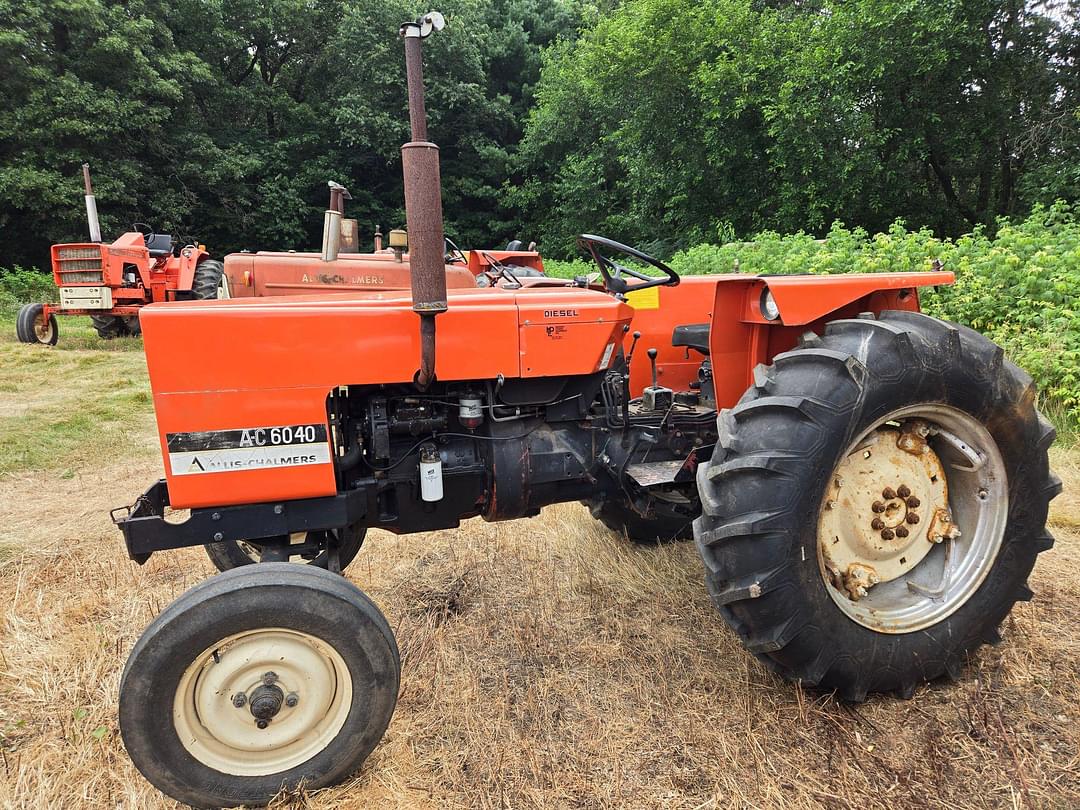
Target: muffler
(423, 200)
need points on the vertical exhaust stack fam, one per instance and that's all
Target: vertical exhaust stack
(91, 205)
(331, 239)
(423, 200)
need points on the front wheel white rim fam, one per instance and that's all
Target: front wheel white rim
(952, 534)
(297, 682)
(43, 329)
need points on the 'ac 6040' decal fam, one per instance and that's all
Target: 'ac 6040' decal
(242, 449)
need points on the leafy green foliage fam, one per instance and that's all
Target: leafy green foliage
(19, 286)
(1020, 287)
(224, 119)
(685, 121)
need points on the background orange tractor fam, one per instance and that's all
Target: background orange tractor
(867, 485)
(111, 283)
(339, 267)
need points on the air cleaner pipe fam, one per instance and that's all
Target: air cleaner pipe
(91, 205)
(423, 201)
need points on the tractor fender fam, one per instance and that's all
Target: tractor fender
(743, 336)
(189, 259)
(803, 299)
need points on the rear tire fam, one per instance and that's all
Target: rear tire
(666, 526)
(230, 554)
(209, 281)
(114, 326)
(764, 493)
(31, 325)
(303, 647)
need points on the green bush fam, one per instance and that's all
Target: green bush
(19, 286)
(1020, 287)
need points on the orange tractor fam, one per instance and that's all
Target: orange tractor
(867, 485)
(340, 268)
(112, 283)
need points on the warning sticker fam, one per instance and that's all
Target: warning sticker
(216, 451)
(649, 298)
(607, 357)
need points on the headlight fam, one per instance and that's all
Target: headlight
(769, 310)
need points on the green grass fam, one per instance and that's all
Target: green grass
(66, 406)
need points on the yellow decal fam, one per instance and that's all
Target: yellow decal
(644, 299)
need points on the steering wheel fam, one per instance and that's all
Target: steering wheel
(142, 228)
(613, 272)
(452, 252)
(499, 270)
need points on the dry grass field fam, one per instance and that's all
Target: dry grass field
(547, 663)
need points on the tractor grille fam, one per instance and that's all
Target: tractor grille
(80, 265)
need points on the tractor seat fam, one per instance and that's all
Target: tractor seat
(159, 244)
(693, 336)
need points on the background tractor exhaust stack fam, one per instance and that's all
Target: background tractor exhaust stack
(91, 205)
(423, 200)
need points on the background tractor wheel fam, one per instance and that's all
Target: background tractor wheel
(114, 326)
(667, 524)
(209, 281)
(876, 503)
(259, 679)
(231, 554)
(31, 325)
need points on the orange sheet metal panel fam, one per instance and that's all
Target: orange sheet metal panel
(258, 363)
(657, 311)
(803, 299)
(741, 337)
(270, 273)
(568, 331)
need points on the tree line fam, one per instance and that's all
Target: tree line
(660, 122)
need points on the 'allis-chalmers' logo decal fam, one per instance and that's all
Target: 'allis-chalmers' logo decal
(560, 313)
(326, 278)
(135, 254)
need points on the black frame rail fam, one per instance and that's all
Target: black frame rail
(146, 530)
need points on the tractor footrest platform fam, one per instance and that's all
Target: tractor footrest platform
(654, 473)
(146, 530)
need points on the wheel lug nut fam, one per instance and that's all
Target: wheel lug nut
(901, 531)
(262, 723)
(239, 700)
(903, 491)
(912, 518)
(887, 534)
(888, 493)
(292, 699)
(912, 502)
(269, 678)
(878, 506)
(877, 524)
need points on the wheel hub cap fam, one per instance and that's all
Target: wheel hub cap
(262, 701)
(912, 518)
(874, 525)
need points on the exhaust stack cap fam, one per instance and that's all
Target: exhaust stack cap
(432, 21)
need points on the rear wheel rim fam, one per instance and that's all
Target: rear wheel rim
(222, 694)
(902, 584)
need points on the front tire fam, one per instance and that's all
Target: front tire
(31, 325)
(261, 679)
(796, 560)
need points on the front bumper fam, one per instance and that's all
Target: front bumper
(146, 530)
